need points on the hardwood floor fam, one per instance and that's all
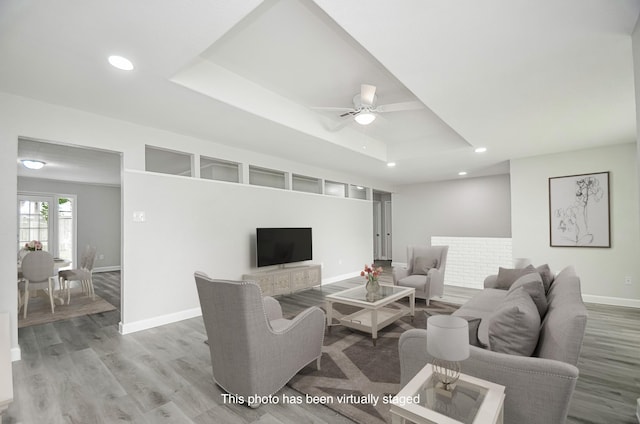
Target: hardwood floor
(83, 371)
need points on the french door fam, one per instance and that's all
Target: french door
(50, 219)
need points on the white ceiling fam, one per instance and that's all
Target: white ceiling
(67, 163)
(520, 77)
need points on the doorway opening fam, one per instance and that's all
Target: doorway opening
(74, 201)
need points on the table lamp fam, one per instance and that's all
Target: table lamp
(448, 343)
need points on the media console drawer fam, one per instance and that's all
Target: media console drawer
(286, 280)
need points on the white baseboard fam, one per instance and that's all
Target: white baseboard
(614, 301)
(340, 277)
(107, 268)
(145, 324)
(16, 354)
(398, 264)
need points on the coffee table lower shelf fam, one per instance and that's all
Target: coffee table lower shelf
(374, 315)
(365, 319)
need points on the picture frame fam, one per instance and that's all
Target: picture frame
(579, 210)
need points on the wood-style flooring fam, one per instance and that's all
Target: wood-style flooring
(83, 371)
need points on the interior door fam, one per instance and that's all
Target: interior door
(377, 230)
(387, 231)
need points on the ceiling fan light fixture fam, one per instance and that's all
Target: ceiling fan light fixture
(365, 118)
(32, 163)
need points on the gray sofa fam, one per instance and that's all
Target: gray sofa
(538, 386)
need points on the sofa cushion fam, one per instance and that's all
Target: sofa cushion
(422, 265)
(507, 276)
(514, 327)
(482, 306)
(532, 284)
(565, 322)
(547, 276)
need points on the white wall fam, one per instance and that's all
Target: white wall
(468, 207)
(183, 228)
(635, 46)
(98, 215)
(602, 270)
(210, 226)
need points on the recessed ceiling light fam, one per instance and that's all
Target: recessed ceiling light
(360, 187)
(480, 149)
(121, 63)
(461, 173)
(365, 118)
(32, 164)
(391, 164)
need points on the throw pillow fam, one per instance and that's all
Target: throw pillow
(474, 324)
(547, 276)
(422, 265)
(532, 284)
(514, 327)
(507, 276)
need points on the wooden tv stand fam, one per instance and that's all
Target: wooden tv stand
(286, 280)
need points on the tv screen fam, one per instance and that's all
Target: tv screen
(276, 246)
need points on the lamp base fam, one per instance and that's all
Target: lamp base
(447, 373)
(445, 390)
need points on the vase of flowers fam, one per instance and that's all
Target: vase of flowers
(33, 245)
(371, 274)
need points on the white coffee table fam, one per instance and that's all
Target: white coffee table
(374, 313)
(474, 401)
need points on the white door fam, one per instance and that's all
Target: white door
(35, 221)
(387, 231)
(50, 219)
(377, 230)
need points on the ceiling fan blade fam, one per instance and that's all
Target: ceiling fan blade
(340, 125)
(334, 109)
(396, 107)
(367, 94)
(351, 112)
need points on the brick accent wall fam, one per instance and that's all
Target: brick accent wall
(471, 259)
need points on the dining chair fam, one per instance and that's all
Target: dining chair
(37, 272)
(84, 274)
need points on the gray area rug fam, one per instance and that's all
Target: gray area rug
(39, 311)
(354, 373)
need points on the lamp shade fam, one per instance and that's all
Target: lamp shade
(448, 337)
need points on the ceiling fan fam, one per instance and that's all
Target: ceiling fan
(364, 108)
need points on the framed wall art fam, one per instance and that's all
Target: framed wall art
(579, 210)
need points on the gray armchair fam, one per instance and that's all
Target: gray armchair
(424, 272)
(254, 350)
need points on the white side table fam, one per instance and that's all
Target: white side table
(474, 401)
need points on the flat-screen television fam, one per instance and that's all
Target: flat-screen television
(276, 246)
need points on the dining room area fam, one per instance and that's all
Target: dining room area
(68, 233)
